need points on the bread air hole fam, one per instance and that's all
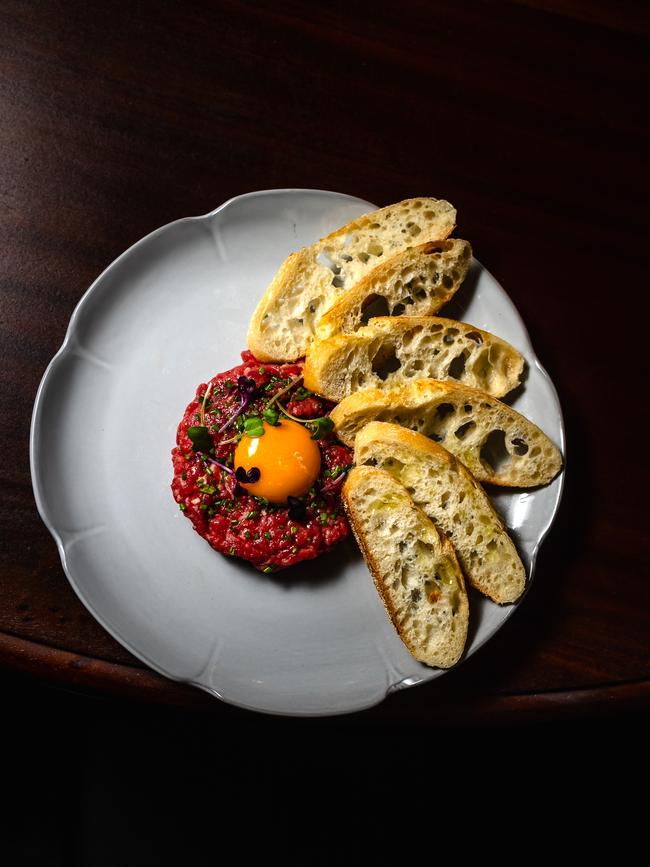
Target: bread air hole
(494, 455)
(407, 337)
(338, 282)
(447, 281)
(373, 305)
(442, 414)
(519, 446)
(398, 310)
(464, 429)
(457, 366)
(370, 462)
(450, 336)
(475, 336)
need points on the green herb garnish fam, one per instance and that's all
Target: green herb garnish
(200, 437)
(271, 415)
(320, 427)
(253, 426)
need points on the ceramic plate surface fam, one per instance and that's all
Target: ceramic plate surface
(168, 314)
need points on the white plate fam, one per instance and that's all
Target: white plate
(168, 314)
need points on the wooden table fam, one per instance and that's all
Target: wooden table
(529, 116)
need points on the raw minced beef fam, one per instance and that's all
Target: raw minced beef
(235, 523)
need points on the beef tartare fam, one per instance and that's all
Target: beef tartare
(257, 468)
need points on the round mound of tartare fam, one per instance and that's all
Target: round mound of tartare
(257, 468)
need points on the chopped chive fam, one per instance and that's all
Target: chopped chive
(267, 570)
(294, 530)
(323, 517)
(232, 551)
(267, 536)
(182, 507)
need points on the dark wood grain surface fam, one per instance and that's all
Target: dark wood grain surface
(530, 117)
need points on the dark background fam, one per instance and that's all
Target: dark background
(531, 117)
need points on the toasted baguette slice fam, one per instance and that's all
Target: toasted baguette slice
(452, 498)
(417, 282)
(309, 281)
(392, 351)
(494, 442)
(414, 569)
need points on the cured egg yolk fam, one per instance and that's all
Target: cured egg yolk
(287, 457)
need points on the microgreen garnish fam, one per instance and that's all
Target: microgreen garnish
(284, 391)
(301, 393)
(253, 426)
(204, 399)
(200, 437)
(320, 427)
(246, 386)
(271, 415)
(334, 483)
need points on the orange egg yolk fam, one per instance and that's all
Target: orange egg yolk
(287, 457)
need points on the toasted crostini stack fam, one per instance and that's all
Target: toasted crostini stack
(419, 401)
